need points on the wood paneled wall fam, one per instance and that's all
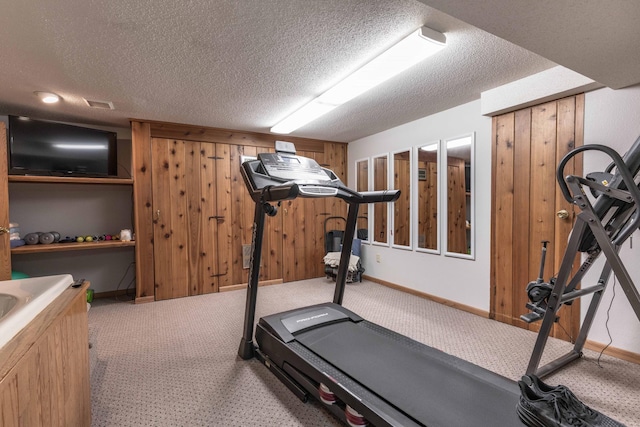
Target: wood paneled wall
(294, 239)
(528, 145)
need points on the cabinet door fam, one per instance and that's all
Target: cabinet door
(5, 248)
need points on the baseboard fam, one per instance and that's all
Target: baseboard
(618, 353)
(110, 294)
(143, 300)
(434, 298)
(244, 285)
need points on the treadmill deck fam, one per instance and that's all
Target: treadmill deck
(428, 385)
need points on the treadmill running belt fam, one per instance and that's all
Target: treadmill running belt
(428, 389)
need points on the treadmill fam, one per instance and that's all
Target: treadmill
(334, 355)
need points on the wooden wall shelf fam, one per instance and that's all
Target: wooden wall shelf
(70, 180)
(62, 247)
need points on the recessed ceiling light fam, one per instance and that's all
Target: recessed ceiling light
(48, 97)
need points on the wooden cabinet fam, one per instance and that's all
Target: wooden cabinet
(44, 370)
(194, 216)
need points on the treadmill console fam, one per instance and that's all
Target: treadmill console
(289, 167)
(283, 175)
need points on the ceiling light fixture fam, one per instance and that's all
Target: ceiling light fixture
(419, 45)
(48, 97)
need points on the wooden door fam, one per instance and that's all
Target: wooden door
(184, 207)
(5, 247)
(528, 145)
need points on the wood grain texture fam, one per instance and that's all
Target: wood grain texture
(5, 246)
(73, 246)
(69, 180)
(456, 206)
(566, 328)
(428, 201)
(44, 370)
(143, 209)
(228, 136)
(402, 206)
(214, 260)
(522, 274)
(380, 210)
(525, 200)
(503, 214)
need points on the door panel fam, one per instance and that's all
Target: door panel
(170, 226)
(528, 146)
(184, 230)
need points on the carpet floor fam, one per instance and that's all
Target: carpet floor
(174, 363)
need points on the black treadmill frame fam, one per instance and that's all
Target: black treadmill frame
(302, 370)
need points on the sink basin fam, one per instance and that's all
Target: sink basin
(21, 300)
(7, 302)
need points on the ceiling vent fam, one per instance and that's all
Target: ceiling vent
(105, 105)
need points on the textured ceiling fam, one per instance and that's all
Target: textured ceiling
(241, 64)
(596, 38)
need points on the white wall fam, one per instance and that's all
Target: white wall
(611, 118)
(462, 280)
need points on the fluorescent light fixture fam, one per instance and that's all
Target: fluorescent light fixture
(48, 97)
(414, 48)
(81, 146)
(460, 142)
(432, 147)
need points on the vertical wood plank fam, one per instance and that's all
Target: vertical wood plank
(162, 217)
(566, 124)
(209, 266)
(224, 206)
(522, 274)
(179, 231)
(503, 215)
(5, 246)
(194, 231)
(142, 208)
(238, 211)
(543, 185)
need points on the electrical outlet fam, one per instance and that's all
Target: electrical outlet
(378, 258)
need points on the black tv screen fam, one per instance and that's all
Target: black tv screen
(47, 148)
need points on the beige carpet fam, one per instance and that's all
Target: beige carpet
(174, 363)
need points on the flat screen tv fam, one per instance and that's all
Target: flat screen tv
(38, 147)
